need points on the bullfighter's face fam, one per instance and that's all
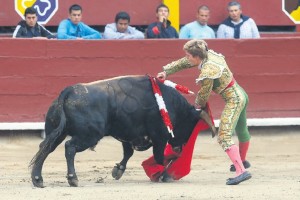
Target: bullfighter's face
(194, 60)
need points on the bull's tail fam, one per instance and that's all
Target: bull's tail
(57, 135)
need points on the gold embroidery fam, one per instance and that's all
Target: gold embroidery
(215, 76)
(235, 102)
(204, 92)
(177, 65)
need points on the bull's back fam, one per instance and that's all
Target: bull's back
(134, 95)
(129, 92)
(131, 105)
(121, 104)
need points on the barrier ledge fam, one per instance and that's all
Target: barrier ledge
(292, 121)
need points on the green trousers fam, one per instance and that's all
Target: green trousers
(233, 116)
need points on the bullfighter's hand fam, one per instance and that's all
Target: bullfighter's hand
(161, 75)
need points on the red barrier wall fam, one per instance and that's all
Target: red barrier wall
(101, 12)
(33, 72)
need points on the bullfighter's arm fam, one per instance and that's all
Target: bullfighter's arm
(204, 92)
(177, 65)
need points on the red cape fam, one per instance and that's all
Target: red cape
(180, 164)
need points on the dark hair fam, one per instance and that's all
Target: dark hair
(122, 15)
(75, 7)
(29, 10)
(162, 6)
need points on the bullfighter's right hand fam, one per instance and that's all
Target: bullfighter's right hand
(161, 75)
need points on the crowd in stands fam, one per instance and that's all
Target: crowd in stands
(236, 26)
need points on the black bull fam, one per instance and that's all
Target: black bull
(124, 108)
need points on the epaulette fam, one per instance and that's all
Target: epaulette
(210, 70)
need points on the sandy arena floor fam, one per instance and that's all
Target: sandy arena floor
(274, 155)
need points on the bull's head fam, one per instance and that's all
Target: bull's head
(183, 136)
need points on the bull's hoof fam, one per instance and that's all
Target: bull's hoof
(37, 181)
(118, 171)
(166, 178)
(72, 180)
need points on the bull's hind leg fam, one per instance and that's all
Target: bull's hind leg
(120, 168)
(36, 172)
(39, 159)
(71, 148)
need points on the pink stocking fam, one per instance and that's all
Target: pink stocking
(234, 155)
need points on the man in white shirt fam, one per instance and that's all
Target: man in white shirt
(237, 25)
(121, 29)
(198, 29)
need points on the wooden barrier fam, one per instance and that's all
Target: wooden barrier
(33, 72)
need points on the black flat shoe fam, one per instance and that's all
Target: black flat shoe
(243, 177)
(245, 163)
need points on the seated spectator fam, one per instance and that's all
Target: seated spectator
(237, 25)
(162, 28)
(198, 29)
(29, 28)
(121, 29)
(73, 28)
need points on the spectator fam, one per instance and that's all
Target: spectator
(237, 25)
(121, 29)
(29, 28)
(73, 28)
(198, 29)
(162, 28)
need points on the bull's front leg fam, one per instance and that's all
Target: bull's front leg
(158, 151)
(120, 168)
